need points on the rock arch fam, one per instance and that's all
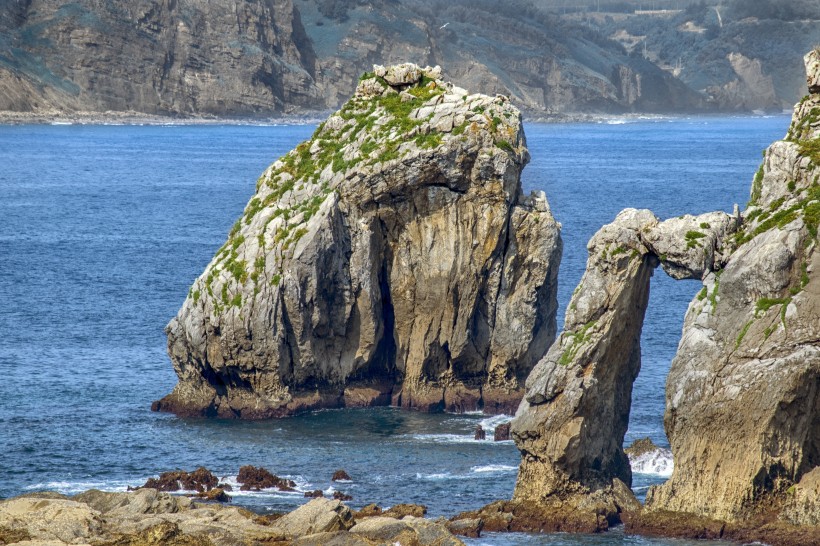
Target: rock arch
(743, 393)
(571, 424)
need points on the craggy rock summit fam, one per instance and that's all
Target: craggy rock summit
(571, 424)
(743, 396)
(392, 258)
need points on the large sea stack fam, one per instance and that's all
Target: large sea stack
(392, 258)
(743, 393)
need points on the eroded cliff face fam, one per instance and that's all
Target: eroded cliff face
(571, 424)
(173, 57)
(392, 258)
(743, 393)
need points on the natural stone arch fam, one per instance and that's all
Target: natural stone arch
(571, 424)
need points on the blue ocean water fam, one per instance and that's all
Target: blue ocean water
(105, 227)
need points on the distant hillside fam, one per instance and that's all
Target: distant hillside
(273, 57)
(740, 55)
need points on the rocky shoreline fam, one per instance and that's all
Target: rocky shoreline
(148, 517)
(306, 118)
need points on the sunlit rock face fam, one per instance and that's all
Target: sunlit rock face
(392, 258)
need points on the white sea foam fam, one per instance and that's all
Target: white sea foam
(72, 488)
(302, 486)
(491, 422)
(444, 438)
(658, 462)
(494, 468)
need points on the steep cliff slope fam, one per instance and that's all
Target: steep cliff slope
(544, 63)
(184, 57)
(742, 55)
(391, 258)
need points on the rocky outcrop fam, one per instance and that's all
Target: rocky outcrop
(149, 518)
(571, 424)
(742, 400)
(391, 258)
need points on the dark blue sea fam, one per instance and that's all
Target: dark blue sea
(104, 228)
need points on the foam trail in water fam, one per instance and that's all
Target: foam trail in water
(658, 462)
(495, 468)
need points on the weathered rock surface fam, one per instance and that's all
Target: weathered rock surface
(571, 424)
(391, 258)
(147, 517)
(742, 399)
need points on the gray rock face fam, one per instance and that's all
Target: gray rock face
(188, 57)
(571, 424)
(391, 258)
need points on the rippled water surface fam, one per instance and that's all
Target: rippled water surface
(104, 229)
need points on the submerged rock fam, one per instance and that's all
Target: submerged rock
(392, 258)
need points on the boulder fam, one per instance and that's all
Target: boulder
(409, 530)
(50, 520)
(392, 258)
(315, 494)
(132, 504)
(317, 516)
(342, 496)
(401, 510)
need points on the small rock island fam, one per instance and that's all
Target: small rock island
(390, 259)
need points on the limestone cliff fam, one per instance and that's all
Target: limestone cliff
(743, 393)
(390, 258)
